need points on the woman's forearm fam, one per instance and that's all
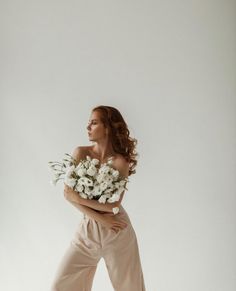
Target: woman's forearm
(88, 211)
(74, 196)
(95, 204)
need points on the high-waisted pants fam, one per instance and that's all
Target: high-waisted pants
(91, 242)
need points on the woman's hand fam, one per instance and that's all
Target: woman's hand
(70, 194)
(111, 222)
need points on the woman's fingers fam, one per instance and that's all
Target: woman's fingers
(117, 230)
(123, 224)
(114, 229)
(119, 226)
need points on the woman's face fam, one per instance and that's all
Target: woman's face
(95, 127)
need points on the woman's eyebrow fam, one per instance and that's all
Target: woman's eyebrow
(93, 120)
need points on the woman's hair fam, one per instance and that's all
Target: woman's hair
(122, 143)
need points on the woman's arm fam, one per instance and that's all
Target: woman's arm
(73, 196)
(109, 222)
(90, 212)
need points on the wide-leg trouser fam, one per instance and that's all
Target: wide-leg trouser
(91, 242)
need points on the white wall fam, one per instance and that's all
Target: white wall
(169, 67)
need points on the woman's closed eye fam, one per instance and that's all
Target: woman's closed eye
(92, 123)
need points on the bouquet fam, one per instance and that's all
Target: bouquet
(102, 183)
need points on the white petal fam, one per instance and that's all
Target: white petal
(115, 210)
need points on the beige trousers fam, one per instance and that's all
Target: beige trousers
(91, 242)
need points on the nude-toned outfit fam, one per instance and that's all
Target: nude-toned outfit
(91, 242)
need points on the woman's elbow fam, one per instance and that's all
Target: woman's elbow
(66, 195)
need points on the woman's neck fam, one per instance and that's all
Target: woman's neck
(103, 152)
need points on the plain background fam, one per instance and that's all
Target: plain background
(169, 67)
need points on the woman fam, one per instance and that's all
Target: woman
(101, 234)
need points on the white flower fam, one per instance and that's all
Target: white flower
(51, 166)
(109, 162)
(104, 169)
(90, 196)
(87, 190)
(122, 182)
(115, 174)
(116, 185)
(108, 179)
(80, 171)
(85, 181)
(100, 178)
(98, 191)
(57, 175)
(103, 185)
(115, 197)
(70, 182)
(83, 195)
(86, 164)
(108, 191)
(95, 162)
(88, 158)
(79, 188)
(115, 210)
(91, 170)
(102, 199)
(119, 190)
(70, 170)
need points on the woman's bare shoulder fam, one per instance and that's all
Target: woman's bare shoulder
(83, 147)
(121, 164)
(81, 151)
(118, 158)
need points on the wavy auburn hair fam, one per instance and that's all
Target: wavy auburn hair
(119, 133)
